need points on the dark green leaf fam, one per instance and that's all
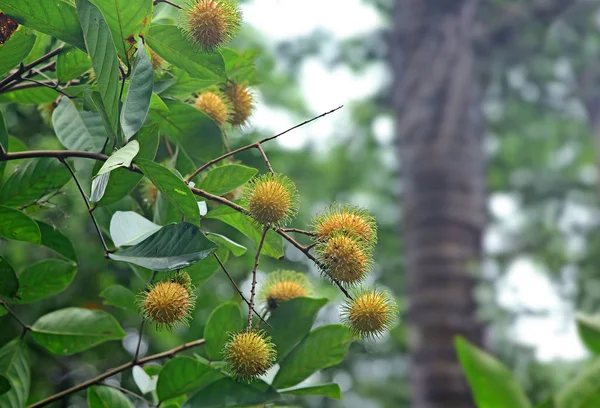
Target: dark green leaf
(43, 279)
(126, 19)
(77, 129)
(72, 330)
(3, 311)
(33, 181)
(14, 366)
(222, 180)
(182, 375)
(169, 42)
(583, 391)
(240, 67)
(137, 100)
(4, 385)
(175, 246)
(120, 158)
(225, 319)
(124, 181)
(203, 270)
(326, 390)
(56, 241)
(195, 131)
(30, 96)
(172, 187)
(235, 248)
(129, 228)
(71, 64)
(9, 284)
(100, 396)
(119, 296)
(491, 382)
(100, 47)
(18, 226)
(13, 51)
(57, 18)
(273, 245)
(303, 312)
(324, 347)
(589, 331)
(230, 393)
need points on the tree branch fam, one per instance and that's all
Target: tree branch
(16, 76)
(300, 231)
(25, 326)
(256, 260)
(110, 373)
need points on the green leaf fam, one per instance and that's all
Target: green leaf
(583, 391)
(144, 382)
(4, 385)
(72, 330)
(172, 187)
(71, 64)
(222, 180)
(182, 375)
(235, 248)
(56, 241)
(303, 312)
(589, 331)
(119, 296)
(175, 246)
(120, 158)
(30, 96)
(3, 311)
(43, 279)
(203, 270)
(13, 51)
(240, 67)
(101, 49)
(57, 18)
(230, 393)
(225, 319)
(77, 129)
(169, 42)
(14, 366)
(100, 396)
(199, 135)
(126, 19)
(3, 143)
(330, 390)
(324, 347)
(9, 284)
(273, 245)
(130, 228)
(33, 181)
(124, 181)
(99, 187)
(491, 382)
(137, 100)
(18, 226)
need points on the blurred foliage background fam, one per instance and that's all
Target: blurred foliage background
(542, 111)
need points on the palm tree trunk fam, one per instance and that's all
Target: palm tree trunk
(439, 138)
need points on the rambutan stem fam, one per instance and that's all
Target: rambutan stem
(300, 231)
(169, 3)
(141, 331)
(264, 155)
(237, 288)
(253, 289)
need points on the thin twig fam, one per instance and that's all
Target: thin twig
(169, 3)
(264, 155)
(126, 391)
(253, 289)
(141, 331)
(110, 373)
(34, 84)
(25, 326)
(16, 75)
(168, 147)
(254, 145)
(87, 204)
(238, 289)
(300, 231)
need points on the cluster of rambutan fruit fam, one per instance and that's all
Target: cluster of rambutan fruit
(344, 239)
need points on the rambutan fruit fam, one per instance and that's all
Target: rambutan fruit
(283, 285)
(168, 303)
(345, 258)
(272, 199)
(249, 354)
(370, 313)
(211, 23)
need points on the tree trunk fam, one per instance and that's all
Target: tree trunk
(439, 138)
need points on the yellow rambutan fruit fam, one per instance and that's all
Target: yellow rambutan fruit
(283, 285)
(353, 221)
(272, 199)
(249, 354)
(345, 258)
(211, 23)
(242, 103)
(370, 313)
(168, 303)
(214, 106)
(149, 192)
